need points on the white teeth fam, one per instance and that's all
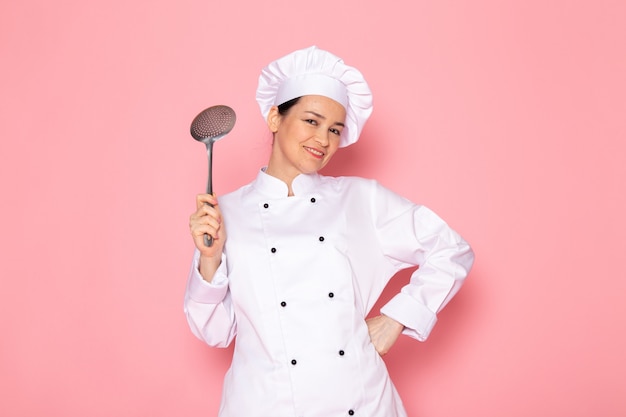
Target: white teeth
(315, 151)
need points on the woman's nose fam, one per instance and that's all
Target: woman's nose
(322, 137)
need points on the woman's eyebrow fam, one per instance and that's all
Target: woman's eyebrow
(323, 117)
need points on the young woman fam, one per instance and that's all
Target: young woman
(299, 259)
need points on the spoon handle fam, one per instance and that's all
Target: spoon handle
(208, 239)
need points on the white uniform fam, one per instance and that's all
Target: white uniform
(298, 277)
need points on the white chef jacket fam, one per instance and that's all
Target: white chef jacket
(298, 277)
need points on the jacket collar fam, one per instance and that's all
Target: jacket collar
(273, 187)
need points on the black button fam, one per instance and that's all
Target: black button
(351, 412)
(273, 250)
(312, 199)
(331, 295)
(341, 353)
(266, 205)
(321, 238)
(293, 361)
(283, 304)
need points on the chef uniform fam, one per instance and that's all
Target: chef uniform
(299, 275)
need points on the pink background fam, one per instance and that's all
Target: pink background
(505, 117)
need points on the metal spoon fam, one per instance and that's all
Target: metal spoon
(209, 126)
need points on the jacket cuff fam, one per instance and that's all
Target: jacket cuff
(417, 319)
(205, 292)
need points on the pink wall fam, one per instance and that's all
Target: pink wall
(507, 118)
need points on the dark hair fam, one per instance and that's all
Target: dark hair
(283, 109)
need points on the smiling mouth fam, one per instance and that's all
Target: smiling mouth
(314, 152)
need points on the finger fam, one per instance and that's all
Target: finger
(198, 239)
(201, 224)
(205, 214)
(199, 232)
(211, 210)
(202, 199)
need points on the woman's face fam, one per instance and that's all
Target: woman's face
(306, 137)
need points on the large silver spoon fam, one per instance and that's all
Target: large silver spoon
(209, 126)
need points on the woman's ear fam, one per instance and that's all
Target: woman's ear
(273, 119)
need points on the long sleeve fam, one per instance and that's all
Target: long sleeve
(414, 235)
(208, 306)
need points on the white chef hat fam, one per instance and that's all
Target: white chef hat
(313, 71)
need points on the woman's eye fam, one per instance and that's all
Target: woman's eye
(311, 122)
(336, 132)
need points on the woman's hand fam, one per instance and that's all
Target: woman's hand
(207, 219)
(384, 332)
